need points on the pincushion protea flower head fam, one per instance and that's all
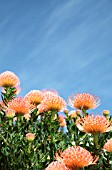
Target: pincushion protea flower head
(34, 97)
(56, 166)
(76, 157)
(93, 124)
(8, 79)
(108, 145)
(52, 101)
(83, 101)
(20, 106)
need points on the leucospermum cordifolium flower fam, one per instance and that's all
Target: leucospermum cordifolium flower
(20, 105)
(108, 145)
(94, 124)
(34, 128)
(34, 97)
(52, 101)
(56, 165)
(76, 157)
(84, 101)
(8, 79)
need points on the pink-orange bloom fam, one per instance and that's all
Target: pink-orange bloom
(76, 157)
(83, 101)
(8, 79)
(52, 101)
(56, 166)
(20, 106)
(9, 113)
(108, 145)
(94, 124)
(35, 97)
(30, 137)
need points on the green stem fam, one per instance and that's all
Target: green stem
(84, 112)
(29, 147)
(95, 135)
(10, 122)
(4, 140)
(19, 119)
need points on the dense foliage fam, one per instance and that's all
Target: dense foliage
(35, 139)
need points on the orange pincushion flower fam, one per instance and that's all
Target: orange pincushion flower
(76, 157)
(84, 101)
(94, 124)
(56, 166)
(8, 79)
(20, 105)
(34, 97)
(52, 101)
(108, 145)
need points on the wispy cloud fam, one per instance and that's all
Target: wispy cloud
(63, 45)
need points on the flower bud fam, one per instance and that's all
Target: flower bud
(106, 112)
(10, 113)
(66, 111)
(72, 114)
(30, 137)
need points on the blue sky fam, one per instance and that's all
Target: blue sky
(64, 45)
